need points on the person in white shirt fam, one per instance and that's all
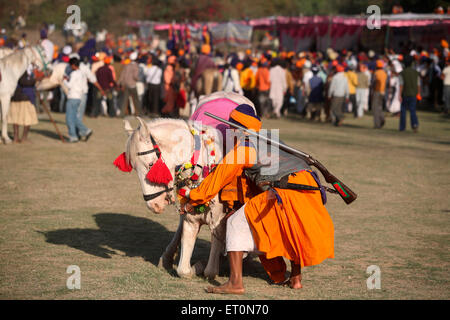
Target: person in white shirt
(278, 87)
(47, 45)
(153, 75)
(90, 76)
(76, 85)
(231, 81)
(338, 93)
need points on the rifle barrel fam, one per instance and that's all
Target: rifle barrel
(280, 145)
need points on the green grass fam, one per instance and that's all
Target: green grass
(64, 204)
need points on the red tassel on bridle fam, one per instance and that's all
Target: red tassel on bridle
(122, 164)
(159, 173)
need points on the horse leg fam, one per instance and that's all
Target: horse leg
(166, 260)
(188, 237)
(5, 100)
(217, 247)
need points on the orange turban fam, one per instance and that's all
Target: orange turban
(444, 43)
(300, 63)
(206, 49)
(245, 116)
(107, 60)
(380, 63)
(339, 68)
(239, 66)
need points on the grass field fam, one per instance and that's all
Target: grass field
(66, 204)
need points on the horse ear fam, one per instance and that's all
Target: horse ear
(143, 130)
(128, 128)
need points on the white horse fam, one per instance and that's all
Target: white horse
(5, 52)
(176, 144)
(12, 68)
(55, 79)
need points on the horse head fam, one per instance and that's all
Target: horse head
(154, 150)
(37, 56)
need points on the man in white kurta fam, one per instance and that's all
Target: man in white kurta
(278, 87)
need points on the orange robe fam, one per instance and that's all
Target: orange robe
(300, 229)
(227, 177)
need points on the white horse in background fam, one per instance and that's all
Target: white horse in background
(5, 52)
(12, 68)
(55, 79)
(176, 144)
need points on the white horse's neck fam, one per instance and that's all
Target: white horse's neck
(167, 133)
(176, 138)
(18, 62)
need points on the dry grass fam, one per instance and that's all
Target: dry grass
(65, 204)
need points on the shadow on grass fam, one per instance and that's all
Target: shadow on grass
(136, 237)
(47, 133)
(46, 119)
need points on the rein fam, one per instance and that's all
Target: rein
(42, 58)
(148, 197)
(187, 174)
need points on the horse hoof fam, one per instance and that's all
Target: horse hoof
(210, 274)
(198, 268)
(186, 273)
(6, 140)
(165, 264)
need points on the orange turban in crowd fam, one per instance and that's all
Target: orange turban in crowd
(107, 60)
(380, 63)
(339, 68)
(181, 52)
(206, 49)
(444, 43)
(300, 63)
(239, 66)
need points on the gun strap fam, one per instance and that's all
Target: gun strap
(293, 186)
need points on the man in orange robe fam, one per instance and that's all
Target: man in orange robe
(286, 223)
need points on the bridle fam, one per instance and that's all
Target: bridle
(148, 197)
(38, 48)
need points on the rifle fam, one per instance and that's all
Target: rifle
(345, 192)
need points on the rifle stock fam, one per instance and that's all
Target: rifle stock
(345, 192)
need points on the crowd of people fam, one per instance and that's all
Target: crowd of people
(123, 76)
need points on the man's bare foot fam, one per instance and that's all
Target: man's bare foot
(295, 282)
(226, 288)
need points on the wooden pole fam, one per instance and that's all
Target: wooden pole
(51, 119)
